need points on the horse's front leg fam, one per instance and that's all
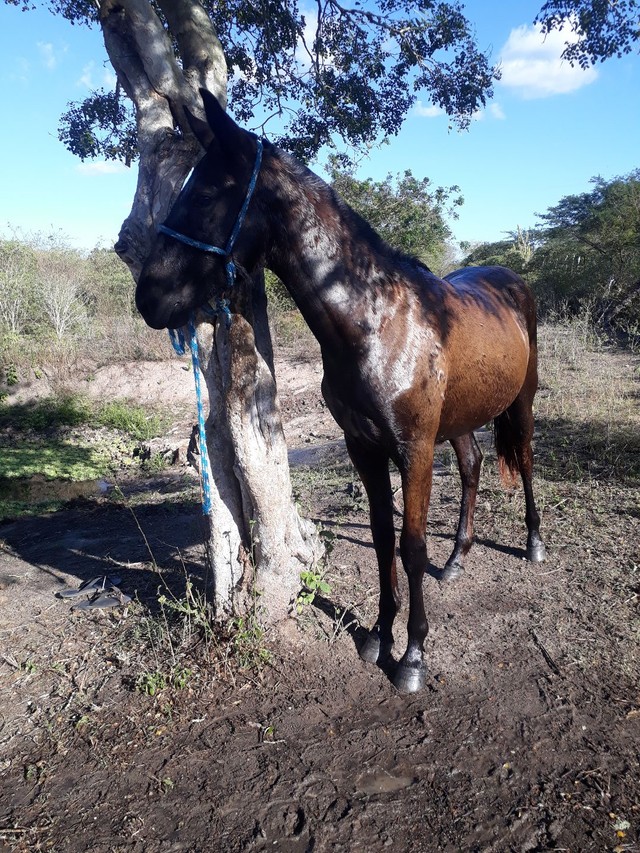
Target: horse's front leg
(373, 468)
(469, 461)
(411, 671)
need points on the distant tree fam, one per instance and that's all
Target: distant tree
(591, 248)
(497, 253)
(516, 252)
(108, 285)
(406, 211)
(18, 267)
(602, 29)
(61, 289)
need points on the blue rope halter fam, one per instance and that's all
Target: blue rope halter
(216, 250)
(222, 306)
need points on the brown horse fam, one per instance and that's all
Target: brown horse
(409, 359)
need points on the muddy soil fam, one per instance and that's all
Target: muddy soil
(526, 738)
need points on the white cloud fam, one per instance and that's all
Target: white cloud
(532, 67)
(109, 78)
(86, 78)
(47, 55)
(496, 111)
(101, 167)
(427, 112)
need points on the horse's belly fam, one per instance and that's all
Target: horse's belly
(481, 384)
(462, 413)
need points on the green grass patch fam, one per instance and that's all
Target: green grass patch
(60, 458)
(38, 477)
(132, 419)
(74, 410)
(11, 509)
(54, 460)
(49, 413)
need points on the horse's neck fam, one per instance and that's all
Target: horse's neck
(310, 253)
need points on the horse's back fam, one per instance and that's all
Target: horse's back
(496, 289)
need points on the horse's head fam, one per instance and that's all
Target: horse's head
(209, 228)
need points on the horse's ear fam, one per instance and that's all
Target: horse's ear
(200, 128)
(231, 138)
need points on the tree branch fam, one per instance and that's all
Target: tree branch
(203, 62)
(143, 57)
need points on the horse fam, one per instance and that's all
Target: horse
(409, 359)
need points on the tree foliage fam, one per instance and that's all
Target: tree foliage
(602, 29)
(347, 73)
(351, 72)
(406, 211)
(585, 251)
(101, 125)
(108, 290)
(61, 281)
(18, 269)
(597, 234)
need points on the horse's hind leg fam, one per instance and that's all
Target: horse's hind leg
(524, 452)
(373, 468)
(513, 435)
(469, 461)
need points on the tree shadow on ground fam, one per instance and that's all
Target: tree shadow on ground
(154, 548)
(350, 623)
(585, 450)
(510, 550)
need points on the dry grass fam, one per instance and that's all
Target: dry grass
(587, 412)
(289, 330)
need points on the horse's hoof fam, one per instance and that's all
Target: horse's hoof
(373, 650)
(536, 551)
(410, 679)
(452, 571)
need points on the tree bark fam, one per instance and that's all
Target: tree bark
(144, 61)
(257, 542)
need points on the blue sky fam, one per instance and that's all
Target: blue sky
(548, 130)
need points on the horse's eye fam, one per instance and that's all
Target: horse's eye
(203, 200)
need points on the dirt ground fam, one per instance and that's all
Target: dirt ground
(526, 739)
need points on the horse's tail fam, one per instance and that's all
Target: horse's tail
(507, 438)
(513, 428)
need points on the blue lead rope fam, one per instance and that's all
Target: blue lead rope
(178, 341)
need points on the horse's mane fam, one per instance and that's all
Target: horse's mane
(358, 227)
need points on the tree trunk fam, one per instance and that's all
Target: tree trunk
(257, 542)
